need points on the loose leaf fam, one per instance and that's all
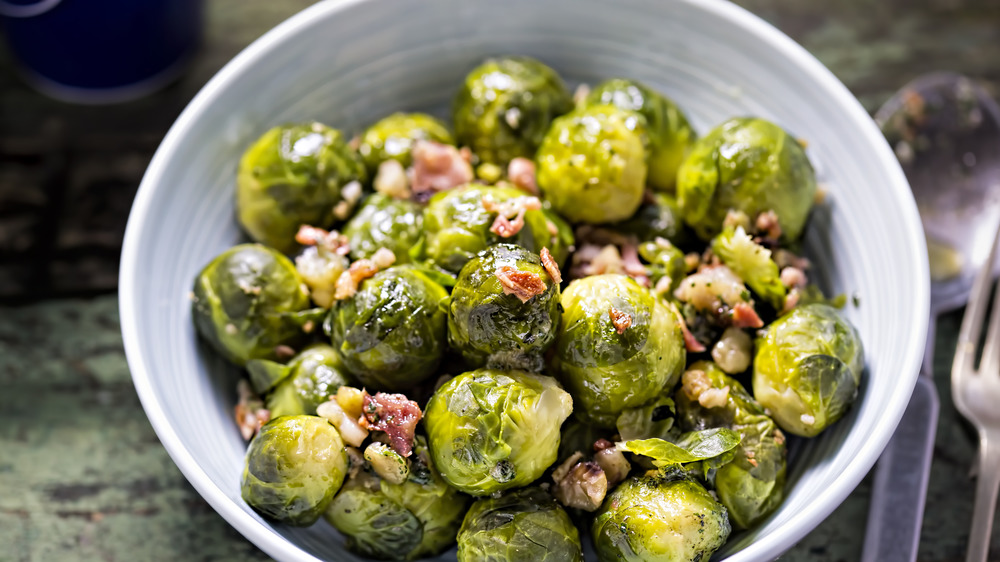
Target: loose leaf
(693, 446)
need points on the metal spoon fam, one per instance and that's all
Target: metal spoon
(945, 130)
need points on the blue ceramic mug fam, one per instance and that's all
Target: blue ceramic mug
(101, 51)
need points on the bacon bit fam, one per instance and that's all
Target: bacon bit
(383, 258)
(690, 342)
(504, 227)
(347, 283)
(391, 180)
(752, 461)
(249, 412)
(791, 300)
(793, 277)
(767, 222)
(744, 316)
(602, 444)
(284, 352)
(331, 241)
(550, 265)
(620, 320)
(512, 208)
(521, 173)
(632, 266)
(522, 284)
(395, 415)
(439, 167)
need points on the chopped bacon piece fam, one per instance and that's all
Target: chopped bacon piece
(550, 265)
(633, 267)
(522, 284)
(744, 316)
(395, 415)
(347, 283)
(793, 277)
(249, 412)
(791, 300)
(620, 320)
(439, 167)
(602, 444)
(521, 173)
(767, 222)
(511, 209)
(331, 241)
(504, 227)
(690, 342)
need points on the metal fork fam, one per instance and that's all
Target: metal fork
(976, 393)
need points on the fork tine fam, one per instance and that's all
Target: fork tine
(972, 321)
(990, 363)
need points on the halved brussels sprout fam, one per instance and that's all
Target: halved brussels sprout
(749, 165)
(670, 135)
(312, 377)
(658, 218)
(523, 526)
(752, 485)
(391, 333)
(494, 430)
(385, 222)
(248, 301)
(666, 517)
(592, 164)
(618, 346)
(489, 324)
(415, 519)
(457, 227)
(293, 468)
(807, 368)
(294, 175)
(505, 106)
(393, 137)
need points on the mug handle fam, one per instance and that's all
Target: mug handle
(27, 10)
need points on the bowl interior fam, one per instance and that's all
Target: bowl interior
(347, 63)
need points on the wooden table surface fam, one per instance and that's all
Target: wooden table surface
(82, 475)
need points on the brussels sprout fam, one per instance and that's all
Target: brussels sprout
(752, 263)
(666, 261)
(294, 466)
(618, 346)
(391, 333)
(523, 526)
(807, 368)
(313, 376)
(665, 517)
(385, 222)
(749, 165)
(294, 175)
(248, 301)
(592, 164)
(457, 227)
(670, 135)
(393, 137)
(495, 430)
(658, 218)
(407, 521)
(752, 485)
(490, 325)
(505, 106)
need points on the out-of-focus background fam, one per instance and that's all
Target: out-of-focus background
(82, 475)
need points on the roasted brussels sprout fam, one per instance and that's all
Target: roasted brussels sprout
(385, 222)
(312, 377)
(752, 485)
(670, 135)
(658, 218)
(807, 368)
(523, 526)
(592, 164)
(391, 333)
(490, 324)
(457, 227)
(393, 137)
(294, 175)
(407, 521)
(666, 517)
(294, 467)
(505, 105)
(618, 346)
(495, 430)
(248, 301)
(665, 261)
(749, 165)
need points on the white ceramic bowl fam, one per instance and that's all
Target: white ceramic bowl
(349, 62)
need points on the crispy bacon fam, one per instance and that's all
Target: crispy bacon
(744, 316)
(505, 228)
(439, 167)
(521, 173)
(550, 265)
(793, 277)
(767, 222)
(510, 209)
(620, 320)
(347, 283)
(522, 284)
(690, 342)
(331, 241)
(633, 267)
(395, 415)
(249, 412)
